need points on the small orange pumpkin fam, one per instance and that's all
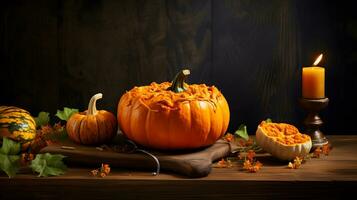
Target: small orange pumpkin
(92, 126)
(174, 115)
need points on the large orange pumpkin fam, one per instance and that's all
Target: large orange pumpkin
(173, 115)
(92, 126)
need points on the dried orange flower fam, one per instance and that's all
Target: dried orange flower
(94, 172)
(224, 164)
(291, 165)
(252, 167)
(105, 168)
(242, 143)
(256, 167)
(296, 164)
(326, 149)
(249, 142)
(57, 126)
(317, 152)
(250, 155)
(229, 137)
(26, 158)
(298, 161)
(247, 165)
(259, 164)
(245, 143)
(103, 171)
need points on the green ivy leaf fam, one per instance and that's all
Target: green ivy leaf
(269, 120)
(66, 113)
(10, 147)
(9, 160)
(242, 132)
(42, 119)
(9, 164)
(48, 164)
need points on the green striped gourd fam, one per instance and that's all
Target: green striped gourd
(17, 124)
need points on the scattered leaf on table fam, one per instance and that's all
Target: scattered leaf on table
(48, 164)
(66, 113)
(9, 158)
(42, 119)
(9, 164)
(242, 132)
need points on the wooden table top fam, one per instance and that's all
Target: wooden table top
(330, 176)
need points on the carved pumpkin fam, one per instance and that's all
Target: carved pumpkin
(17, 124)
(283, 141)
(92, 126)
(173, 115)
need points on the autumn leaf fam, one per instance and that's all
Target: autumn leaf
(42, 119)
(9, 158)
(48, 164)
(66, 113)
(242, 132)
(9, 164)
(268, 120)
(10, 147)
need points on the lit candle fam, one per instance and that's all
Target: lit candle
(313, 81)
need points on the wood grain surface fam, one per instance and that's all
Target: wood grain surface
(196, 163)
(56, 53)
(330, 177)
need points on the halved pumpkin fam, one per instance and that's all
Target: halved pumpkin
(283, 141)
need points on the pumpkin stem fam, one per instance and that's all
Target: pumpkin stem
(178, 84)
(92, 107)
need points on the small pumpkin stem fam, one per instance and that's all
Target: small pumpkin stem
(178, 84)
(92, 107)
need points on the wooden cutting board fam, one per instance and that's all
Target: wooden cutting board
(193, 164)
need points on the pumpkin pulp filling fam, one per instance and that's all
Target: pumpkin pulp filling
(157, 96)
(283, 133)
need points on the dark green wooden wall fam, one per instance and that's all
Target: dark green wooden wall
(59, 53)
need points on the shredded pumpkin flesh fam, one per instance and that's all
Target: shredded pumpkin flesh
(156, 96)
(284, 133)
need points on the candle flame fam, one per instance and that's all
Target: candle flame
(318, 59)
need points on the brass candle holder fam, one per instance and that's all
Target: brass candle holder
(313, 122)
